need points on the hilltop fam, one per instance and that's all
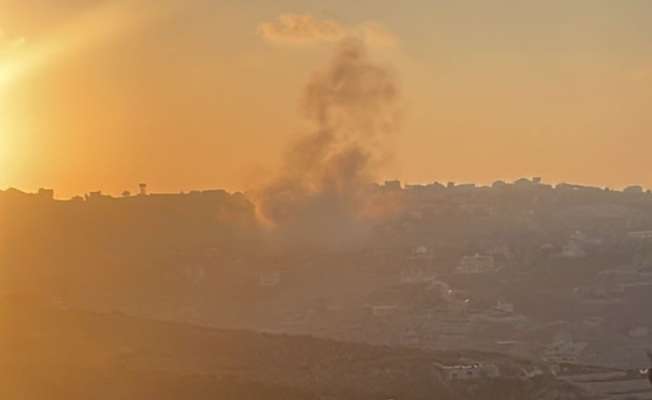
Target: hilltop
(558, 274)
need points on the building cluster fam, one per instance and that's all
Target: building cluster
(522, 268)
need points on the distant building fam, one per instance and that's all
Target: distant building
(476, 264)
(467, 371)
(383, 311)
(415, 274)
(436, 186)
(563, 350)
(502, 250)
(417, 267)
(143, 189)
(573, 249)
(392, 185)
(505, 307)
(421, 250)
(633, 189)
(46, 194)
(606, 383)
(421, 253)
(269, 279)
(584, 238)
(463, 187)
(640, 235)
(417, 187)
(523, 182)
(95, 195)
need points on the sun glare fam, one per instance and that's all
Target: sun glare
(95, 25)
(4, 156)
(4, 126)
(21, 56)
(3, 75)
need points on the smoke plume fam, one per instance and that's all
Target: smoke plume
(324, 189)
(306, 29)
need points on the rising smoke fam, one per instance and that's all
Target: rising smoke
(307, 29)
(323, 192)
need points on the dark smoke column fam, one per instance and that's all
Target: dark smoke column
(324, 184)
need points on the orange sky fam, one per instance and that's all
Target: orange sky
(189, 94)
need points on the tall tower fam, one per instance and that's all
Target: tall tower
(143, 189)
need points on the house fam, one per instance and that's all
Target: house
(467, 371)
(46, 194)
(633, 189)
(393, 186)
(501, 251)
(606, 383)
(476, 264)
(421, 254)
(564, 350)
(97, 195)
(586, 239)
(505, 307)
(640, 235)
(415, 274)
(523, 183)
(573, 249)
(418, 266)
(383, 311)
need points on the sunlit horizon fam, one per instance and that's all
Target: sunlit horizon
(104, 95)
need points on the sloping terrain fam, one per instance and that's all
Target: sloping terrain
(64, 354)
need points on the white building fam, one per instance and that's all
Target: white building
(573, 249)
(640, 235)
(505, 307)
(467, 371)
(476, 264)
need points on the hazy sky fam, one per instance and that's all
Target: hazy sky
(186, 94)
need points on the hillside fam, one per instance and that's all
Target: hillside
(77, 355)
